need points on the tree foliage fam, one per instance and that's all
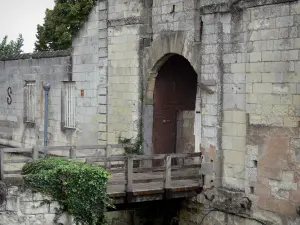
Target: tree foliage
(62, 23)
(79, 188)
(12, 47)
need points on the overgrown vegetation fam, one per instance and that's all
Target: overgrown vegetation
(79, 188)
(12, 47)
(61, 23)
(136, 148)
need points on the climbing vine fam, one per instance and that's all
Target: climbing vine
(79, 188)
(135, 149)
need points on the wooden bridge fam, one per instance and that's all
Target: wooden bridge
(135, 178)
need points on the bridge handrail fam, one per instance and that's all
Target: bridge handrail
(127, 160)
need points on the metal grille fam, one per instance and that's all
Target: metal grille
(31, 101)
(70, 120)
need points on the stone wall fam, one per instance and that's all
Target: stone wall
(124, 34)
(22, 207)
(14, 74)
(90, 73)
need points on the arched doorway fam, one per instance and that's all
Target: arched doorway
(174, 100)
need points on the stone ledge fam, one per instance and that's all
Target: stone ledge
(37, 55)
(232, 5)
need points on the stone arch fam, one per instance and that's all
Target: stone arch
(161, 49)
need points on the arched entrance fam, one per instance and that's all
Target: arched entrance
(174, 98)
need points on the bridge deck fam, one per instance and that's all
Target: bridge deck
(132, 179)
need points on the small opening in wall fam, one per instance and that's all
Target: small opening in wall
(173, 9)
(255, 163)
(251, 190)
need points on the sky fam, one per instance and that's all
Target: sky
(22, 16)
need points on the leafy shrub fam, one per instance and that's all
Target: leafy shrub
(79, 188)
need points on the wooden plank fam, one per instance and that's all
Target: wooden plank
(17, 161)
(84, 147)
(12, 171)
(167, 182)
(186, 177)
(89, 147)
(104, 159)
(108, 154)
(121, 170)
(1, 164)
(148, 180)
(129, 174)
(17, 150)
(185, 155)
(186, 166)
(148, 157)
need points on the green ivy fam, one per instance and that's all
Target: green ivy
(79, 188)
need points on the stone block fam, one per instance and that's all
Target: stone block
(290, 121)
(253, 77)
(276, 67)
(269, 56)
(234, 157)
(290, 55)
(280, 110)
(284, 88)
(234, 183)
(262, 88)
(12, 204)
(238, 68)
(255, 57)
(236, 101)
(239, 116)
(230, 129)
(230, 58)
(238, 143)
(255, 67)
(227, 142)
(284, 44)
(285, 21)
(34, 208)
(234, 171)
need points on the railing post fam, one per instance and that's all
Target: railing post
(107, 155)
(72, 153)
(35, 153)
(1, 164)
(167, 184)
(129, 179)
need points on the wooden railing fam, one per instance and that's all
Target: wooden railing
(118, 164)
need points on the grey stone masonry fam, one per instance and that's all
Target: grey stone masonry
(90, 73)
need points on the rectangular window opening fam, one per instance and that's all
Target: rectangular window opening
(255, 163)
(31, 101)
(70, 105)
(251, 190)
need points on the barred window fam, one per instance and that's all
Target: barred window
(31, 101)
(70, 105)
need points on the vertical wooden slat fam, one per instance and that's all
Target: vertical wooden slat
(72, 153)
(108, 154)
(167, 184)
(1, 164)
(35, 153)
(129, 174)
